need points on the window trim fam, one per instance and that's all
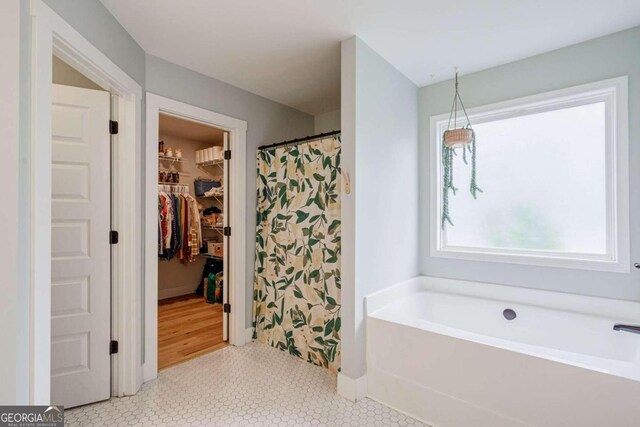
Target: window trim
(614, 92)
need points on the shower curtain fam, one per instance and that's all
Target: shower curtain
(296, 297)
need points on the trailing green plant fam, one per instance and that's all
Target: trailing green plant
(448, 153)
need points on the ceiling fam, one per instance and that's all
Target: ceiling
(289, 50)
(187, 129)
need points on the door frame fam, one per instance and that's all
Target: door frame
(50, 35)
(237, 207)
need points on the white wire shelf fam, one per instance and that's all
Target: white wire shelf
(211, 256)
(171, 159)
(173, 170)
(218, 229)
(211, 163)
(204, 166)
(212, 196)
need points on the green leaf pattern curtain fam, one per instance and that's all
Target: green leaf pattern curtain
(297, 283)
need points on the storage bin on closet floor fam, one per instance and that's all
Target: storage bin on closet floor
(215, 249)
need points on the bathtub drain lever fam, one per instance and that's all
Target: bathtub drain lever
(627, 328)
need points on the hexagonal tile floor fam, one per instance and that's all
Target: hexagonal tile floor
(254, 385)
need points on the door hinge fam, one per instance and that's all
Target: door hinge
(226, 307)
(227, 154)
(226, 231)
(113, 237)
(113, 127)
(113, 347)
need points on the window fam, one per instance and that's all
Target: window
(554, 174)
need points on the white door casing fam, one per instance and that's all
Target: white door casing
(51, 35)
(225, 240)
(80, 249)
(235, 216)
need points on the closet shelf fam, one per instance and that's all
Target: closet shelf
(217, 228)
(211, 256)
(173, 170)
(171, 159)
(211, 197)
(203, 166)
(171, 183)
(211, 163)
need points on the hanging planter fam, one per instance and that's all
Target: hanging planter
(458, 137)
(453, 139)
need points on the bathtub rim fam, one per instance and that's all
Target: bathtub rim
(610, 309)
(621, 310)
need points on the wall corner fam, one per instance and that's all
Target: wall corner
(354, 389)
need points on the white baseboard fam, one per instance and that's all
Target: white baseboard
(248, 335)
(353, 389)
(176, 292)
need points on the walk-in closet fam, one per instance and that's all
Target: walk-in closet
(192, 187)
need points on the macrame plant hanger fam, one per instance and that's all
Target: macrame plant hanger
(453, 139)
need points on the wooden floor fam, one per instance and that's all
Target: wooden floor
(187, 327)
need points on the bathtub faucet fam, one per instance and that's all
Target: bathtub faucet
(626, 328)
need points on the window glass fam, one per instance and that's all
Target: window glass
(544, 182)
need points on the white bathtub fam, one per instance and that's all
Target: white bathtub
(442, 351)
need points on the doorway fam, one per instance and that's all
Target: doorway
(193, 188)
(80, 247)
(220, 259)
(50, 36)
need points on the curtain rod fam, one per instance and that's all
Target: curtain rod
(298, 140)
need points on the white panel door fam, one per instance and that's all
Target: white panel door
(80, 250)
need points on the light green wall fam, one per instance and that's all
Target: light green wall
(606, 57)
(380, 216)
(327, 122)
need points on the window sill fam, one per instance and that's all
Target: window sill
(531, 258)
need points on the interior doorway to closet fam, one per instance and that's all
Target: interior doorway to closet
(172, 287)
(193, 186)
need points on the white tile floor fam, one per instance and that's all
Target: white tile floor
(254, 385)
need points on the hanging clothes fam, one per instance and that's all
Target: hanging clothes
(165, 214)
(179, 226)
(297, 282)
(194, 238)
